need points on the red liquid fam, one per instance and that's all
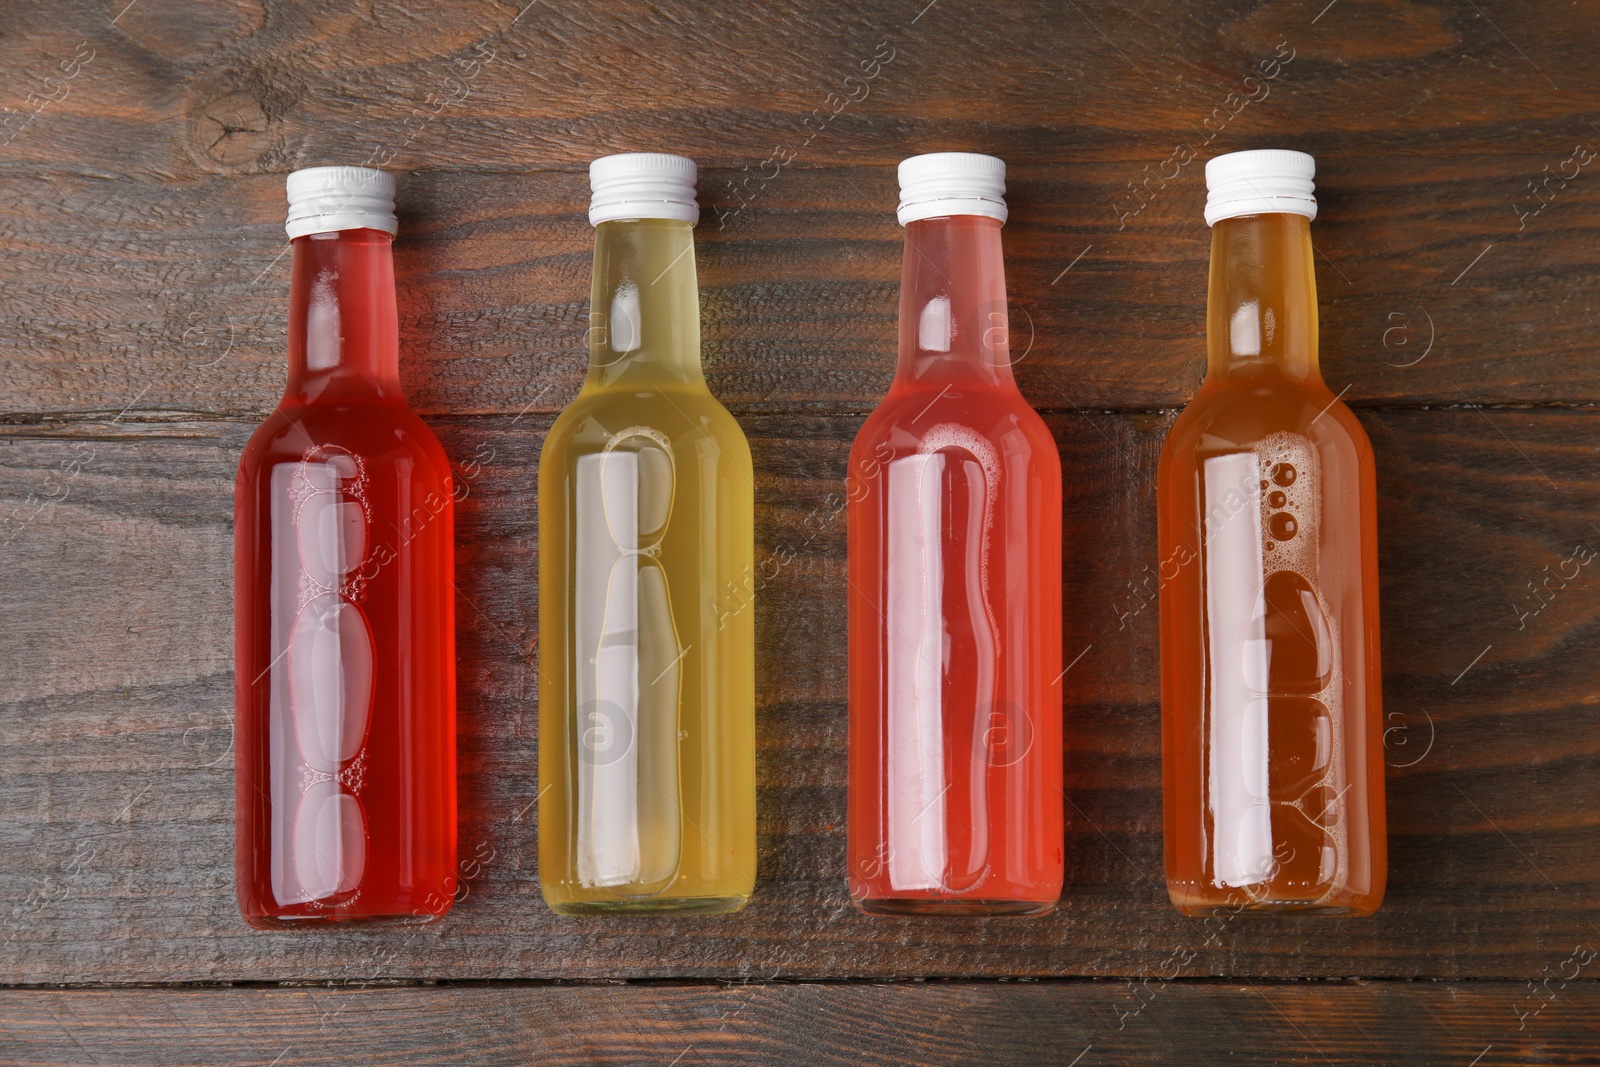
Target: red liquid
(344, 619)
(955, 606)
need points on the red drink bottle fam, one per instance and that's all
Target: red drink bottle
(955, 585)
(344, 603)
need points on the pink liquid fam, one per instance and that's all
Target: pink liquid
(344, 619)
(955, 606)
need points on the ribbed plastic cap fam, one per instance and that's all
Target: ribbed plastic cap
(324, 199)
(951, 183)
(642, 185)
(1259, 182)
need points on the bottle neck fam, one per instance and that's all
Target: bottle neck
(644, 310)
(953, 320)
(344, 333)
(1261, 315)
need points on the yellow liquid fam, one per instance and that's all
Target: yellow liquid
(647, 613)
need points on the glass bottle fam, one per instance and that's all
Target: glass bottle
(647, 621)
(344, 603)
(954, 500)
(1270, 684)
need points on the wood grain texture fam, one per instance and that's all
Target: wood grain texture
(115, 809)
(143, 293)
(1344, 1024)
(141, 200)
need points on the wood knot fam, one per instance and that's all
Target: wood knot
(233, 130)
(235, 123)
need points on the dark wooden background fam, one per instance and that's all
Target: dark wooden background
(143, 301)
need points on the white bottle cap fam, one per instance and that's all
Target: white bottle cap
(951, 183)
(642, 185)
(324, 199)
(1258, 183)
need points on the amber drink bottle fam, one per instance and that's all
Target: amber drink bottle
(1270, 685)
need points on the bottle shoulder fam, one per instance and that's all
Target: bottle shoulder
(378, 433)
(1225, 418)
(926, 420)
(597, 418)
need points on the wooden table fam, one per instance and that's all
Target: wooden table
(144, 292)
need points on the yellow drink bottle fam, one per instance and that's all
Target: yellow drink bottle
(647, 620)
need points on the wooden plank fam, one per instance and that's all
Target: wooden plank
(149, 274)
(115, 665)
(1486, 1024)
(547, 85)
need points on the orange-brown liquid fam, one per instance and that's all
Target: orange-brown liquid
(1270, 685)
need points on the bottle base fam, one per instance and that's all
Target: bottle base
(1203, 910)
(951, 906)
(301, 922)
(1333, 909)
(644, 906)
